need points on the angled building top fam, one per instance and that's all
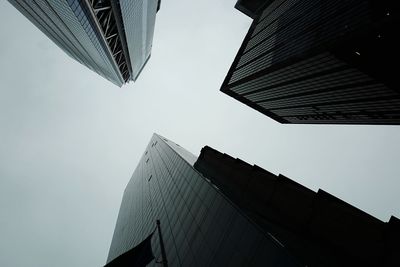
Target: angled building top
(316, 227)
(251, 7)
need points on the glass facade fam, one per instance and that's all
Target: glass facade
(73, 26)
(139, 18)
(200, 226)
(320, 62)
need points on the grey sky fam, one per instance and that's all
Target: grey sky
(70, 140)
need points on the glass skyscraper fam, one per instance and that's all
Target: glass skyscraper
(320, 62)
(215, 210)
(112, 38)
(200, 226)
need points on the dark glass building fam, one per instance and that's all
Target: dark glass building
(112, 38)
(219, 211)
(251, 7)
(308, 61)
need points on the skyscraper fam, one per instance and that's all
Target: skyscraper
(215, 210)
(112, 38)
(319, 61)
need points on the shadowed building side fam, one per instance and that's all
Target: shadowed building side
(320, 62)
(316, 227)
(251, 7)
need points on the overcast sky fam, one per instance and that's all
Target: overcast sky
(70, 140)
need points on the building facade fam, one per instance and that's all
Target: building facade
(316, 228)
(320, 62)
(112, 38)
(215, 210)
(200, 226)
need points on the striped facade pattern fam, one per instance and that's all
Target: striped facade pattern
(72, 26)
(139, 21)
(317, 62)
(199, 225)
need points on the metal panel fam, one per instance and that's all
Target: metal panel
(139, 20)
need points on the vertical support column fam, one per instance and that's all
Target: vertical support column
(163, 254)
